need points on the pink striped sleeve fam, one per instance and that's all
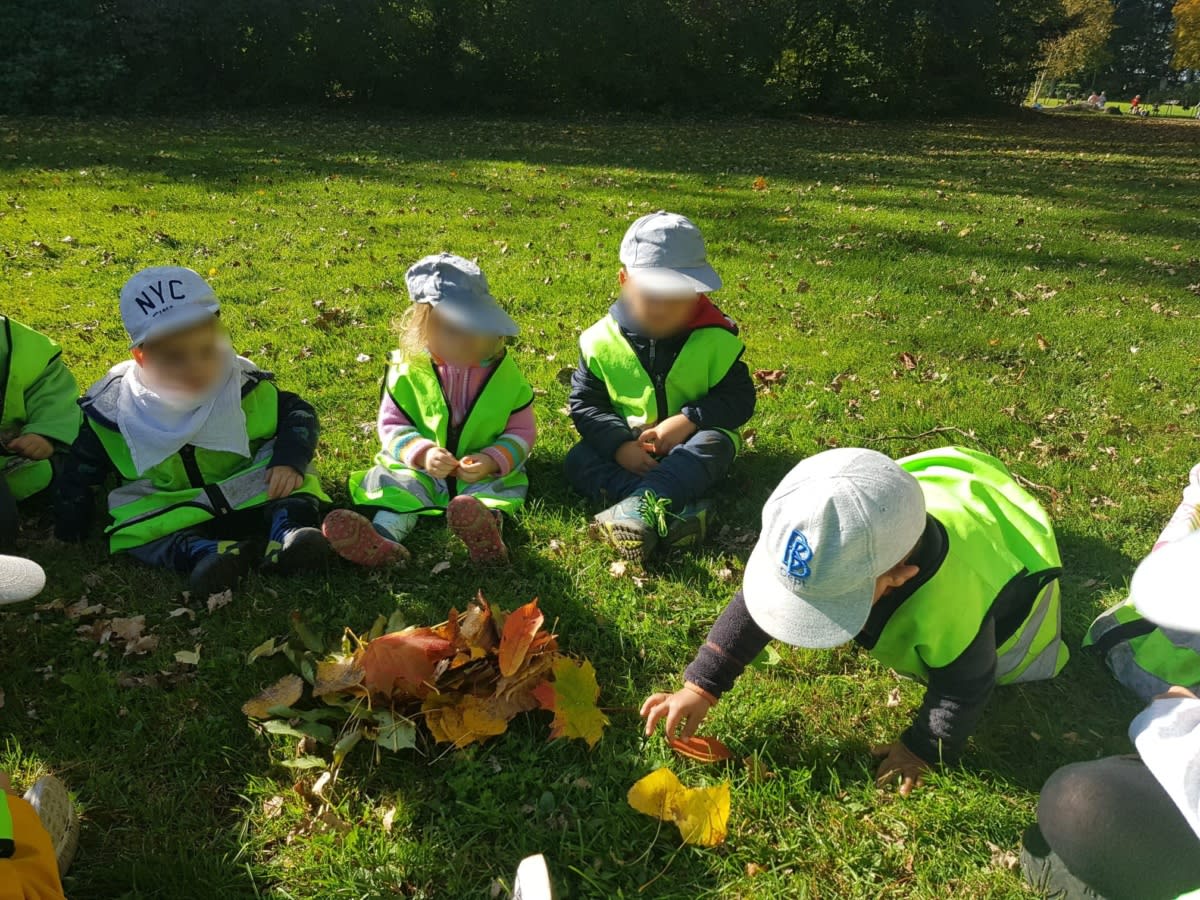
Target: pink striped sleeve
(398, 437)
(514, 446)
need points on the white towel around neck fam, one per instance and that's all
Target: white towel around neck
(157, 423)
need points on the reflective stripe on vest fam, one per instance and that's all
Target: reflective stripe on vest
(1146, 659)
(23, 357)
(707, 356)
(195, 485)
(996, 532)
(415, 388)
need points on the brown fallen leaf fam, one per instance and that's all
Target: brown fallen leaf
(759, 183)
(284, 692)
(893, 697)
(1042, 343)
(769, 376)
(756, 770)
(216, 601)
(753, 869)
(908, 361)
(273, 807)
(617, 568)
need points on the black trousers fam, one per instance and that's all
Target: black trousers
(1106, 829)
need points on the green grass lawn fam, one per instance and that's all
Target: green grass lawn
(1042, 274)
(1173, 111)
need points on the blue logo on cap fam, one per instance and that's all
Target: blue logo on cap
(797, 556)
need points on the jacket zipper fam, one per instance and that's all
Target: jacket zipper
(658, 380)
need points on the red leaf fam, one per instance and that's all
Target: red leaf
(701, 749)
(760, 183)
(403, 662)
(519, 630)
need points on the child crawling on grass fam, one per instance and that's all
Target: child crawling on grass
(211, 460)
(455, 424)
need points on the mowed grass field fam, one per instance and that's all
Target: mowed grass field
(1027, 287)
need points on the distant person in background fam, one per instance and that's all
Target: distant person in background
(1093, 99)
(1129, 826)
(1102, 100)
(1135, 103)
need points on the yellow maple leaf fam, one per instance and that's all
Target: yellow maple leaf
(572, 697)
(462, 720)
(286, 691)
(700, 814)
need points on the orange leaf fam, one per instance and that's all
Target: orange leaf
(701, 749)
(519, 630)
(477, 628)
(760, 183)
(403, 662)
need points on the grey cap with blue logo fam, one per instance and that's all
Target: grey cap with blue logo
(458, 290)
(163, 300)
(664, 253)
(836, 522)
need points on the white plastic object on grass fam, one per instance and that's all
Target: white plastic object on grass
(533, 880)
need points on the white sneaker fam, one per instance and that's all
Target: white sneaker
(20, 579)
(533, 880)
(52, 803)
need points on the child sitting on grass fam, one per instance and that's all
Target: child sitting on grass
(38, 418)
(455, 423)
(211, 459)
(659, 394)
(941, 565)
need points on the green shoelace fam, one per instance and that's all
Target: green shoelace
(655, 511)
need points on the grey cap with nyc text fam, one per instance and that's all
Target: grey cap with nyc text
(664, 253)
(162, 300)
(458, 290)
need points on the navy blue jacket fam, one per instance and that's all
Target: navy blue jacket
(729, 405)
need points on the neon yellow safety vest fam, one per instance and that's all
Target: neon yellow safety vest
(707, 356)
(1143, 657)
(24, 356)
(195, 485)
(415, 388)
(997, 533)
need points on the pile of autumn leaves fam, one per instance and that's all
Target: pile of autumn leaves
(466, 679)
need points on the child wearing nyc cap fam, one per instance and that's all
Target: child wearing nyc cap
(39, 418)
(211, 460)
(455, 424)
(659, 394)
(940, 565)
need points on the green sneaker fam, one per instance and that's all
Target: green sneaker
(634, 526)
(690, 526)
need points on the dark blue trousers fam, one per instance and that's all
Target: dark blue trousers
(687, 473)
(182, 550)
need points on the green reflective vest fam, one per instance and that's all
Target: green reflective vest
(707, 356)
(195, 485)
(415, 388)
(1143, 657)
(24, 356)
(998, 535)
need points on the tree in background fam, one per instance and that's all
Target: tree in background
(1187, 34)
(1084, 47)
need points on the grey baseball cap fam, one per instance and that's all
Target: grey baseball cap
(162, 300)
(836, 522)
(664, 253)
(20, 579)
(458, 290)
(1166, 586)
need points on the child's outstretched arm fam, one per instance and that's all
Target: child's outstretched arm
(732, 644)
(597, 422)
(87, 467)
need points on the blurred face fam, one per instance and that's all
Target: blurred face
(458, 347)
(190, 361)
(657, 315)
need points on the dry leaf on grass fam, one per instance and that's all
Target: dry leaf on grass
(572, 698)
(701, 749)
(519, 629)
(286, 691)
(701, 814)
(618, 568)
(216, 601)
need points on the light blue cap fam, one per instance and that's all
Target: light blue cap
(458, 290)
(664, 253)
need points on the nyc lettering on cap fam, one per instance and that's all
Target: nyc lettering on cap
(165, 299)
(836, 522)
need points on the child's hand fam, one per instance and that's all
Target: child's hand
(668, 434)
(898, 760)
(477, 468)
(440, 462)
(31, 446)
(1177, 692)
(683, 710)
(282, 481)
(632, 458)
